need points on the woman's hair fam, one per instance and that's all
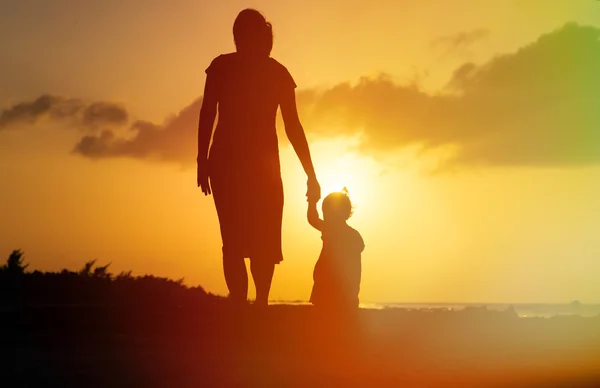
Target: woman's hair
(252, 33)
(337, 205)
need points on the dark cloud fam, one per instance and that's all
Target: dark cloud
(73, 111)
(460, 42)
(174, 141)
(462, 39)
(28, 112)
(103, 113)
(538, 106)
(97, 146)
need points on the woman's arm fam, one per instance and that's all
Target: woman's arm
(313, 216)
(295, 133)
(206, 122)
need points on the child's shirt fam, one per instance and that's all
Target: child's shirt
(341, 254)
(342, 242)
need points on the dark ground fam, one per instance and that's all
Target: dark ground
(293, 346)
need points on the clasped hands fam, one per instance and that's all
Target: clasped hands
(313, 190)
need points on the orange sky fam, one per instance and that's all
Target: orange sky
(472, 164)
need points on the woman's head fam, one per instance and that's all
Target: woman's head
(337, 206)
(252, 33)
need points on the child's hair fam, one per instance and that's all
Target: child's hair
(337, 205)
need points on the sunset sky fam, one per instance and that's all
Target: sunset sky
(467, 133)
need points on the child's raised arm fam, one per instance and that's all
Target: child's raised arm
(313, 216)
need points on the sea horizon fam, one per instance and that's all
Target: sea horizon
(524, 310)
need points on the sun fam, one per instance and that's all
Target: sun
(341, 163)
(348, 172)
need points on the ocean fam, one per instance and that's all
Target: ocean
(524, 310)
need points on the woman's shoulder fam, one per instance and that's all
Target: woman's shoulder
(278, 66)
(233, 57)
(276, 63)
(221, 61)
(284, 76)
(226, 57)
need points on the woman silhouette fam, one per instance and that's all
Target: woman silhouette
(243, 164)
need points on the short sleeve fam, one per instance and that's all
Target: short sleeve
(284, 82)
(214, 66)
(287, 80)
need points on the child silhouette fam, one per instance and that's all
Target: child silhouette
(337, 271)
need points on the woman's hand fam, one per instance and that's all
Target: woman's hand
(313, 191)
(203, 177)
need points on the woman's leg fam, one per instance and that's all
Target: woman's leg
(236, 277)
(262, 273)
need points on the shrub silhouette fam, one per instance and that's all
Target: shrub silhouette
(14, 265)
(93, 284)
(87, 268)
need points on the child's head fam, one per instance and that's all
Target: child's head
(337, 206)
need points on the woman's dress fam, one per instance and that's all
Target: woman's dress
(244, 167)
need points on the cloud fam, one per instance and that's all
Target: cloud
(173, 141)
(103, 114)
(463, 38)
(537, 106)
(75, 112)
(460, 41)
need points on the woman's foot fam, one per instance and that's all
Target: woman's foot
(261, 303)
(237, 301)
